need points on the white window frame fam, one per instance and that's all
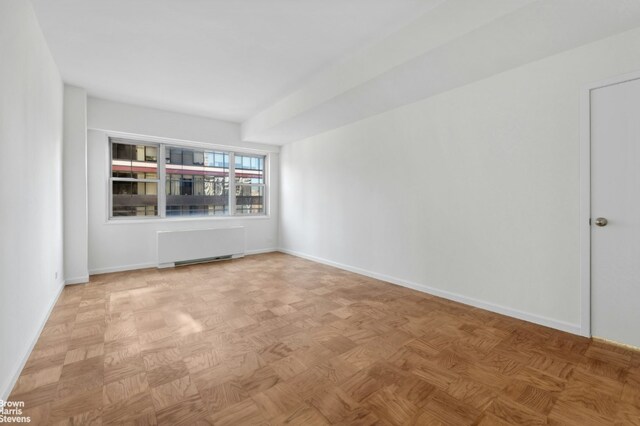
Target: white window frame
(161, 144)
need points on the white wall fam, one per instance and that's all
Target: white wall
(128, 245)
(109, 115)
(472, 194)
(76, 229)
(31, 263)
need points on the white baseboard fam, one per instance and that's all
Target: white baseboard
(7, 387)
(133, 267)
(515, 313)
(78, 280)
(261, 251)
(122, 268)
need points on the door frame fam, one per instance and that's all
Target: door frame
(585, 193)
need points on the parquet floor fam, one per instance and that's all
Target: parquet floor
(274, 339)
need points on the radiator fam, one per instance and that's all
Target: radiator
(178, 247)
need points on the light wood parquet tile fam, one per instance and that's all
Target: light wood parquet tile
(63, 408)
(219, 397)
(334, 404)
(302, 415)
(134, 409)
(242, 413)
(274, 339)
(38, 378)
(278, 400)
(391, 407)
(186, 412)
(91, 418)
(38, 414)
(515, 413)
(125, 388)
(173, 392)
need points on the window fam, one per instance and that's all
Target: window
(164, 180)
(249, 174)
(134, 179)
(195, 184)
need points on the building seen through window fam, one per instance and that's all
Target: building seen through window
(249, 184)
(134, 184)
(197, 182)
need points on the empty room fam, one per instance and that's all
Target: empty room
(314, 212)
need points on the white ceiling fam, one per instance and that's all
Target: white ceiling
(225, 59)
(515, 32)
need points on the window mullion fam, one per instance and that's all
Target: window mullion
(162, 190)
(232, 184)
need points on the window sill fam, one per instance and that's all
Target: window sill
(164, 220)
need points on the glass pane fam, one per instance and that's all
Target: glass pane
(249, 169)
(197, 182)
(187, 157)
(249, 199)
(174, 156)
(133, 161)
(151, 154)
(221, 160)
(209, 159)
(141, 175)
(135, 198)
(121, 151)
(198, 158)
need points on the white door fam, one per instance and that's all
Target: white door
(615, 197)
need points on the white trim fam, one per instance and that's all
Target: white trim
(585, 213)
(537, 319)
(78, 280)
(7, 387)
(122, 268)
(188, 143)
(162, 185)
(171, 219)
(134, 267)
(260, 251)
(232, 184)
(585, 194)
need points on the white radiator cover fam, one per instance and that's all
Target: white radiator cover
(199, 244)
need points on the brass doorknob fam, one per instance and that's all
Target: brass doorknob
(601, 221)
